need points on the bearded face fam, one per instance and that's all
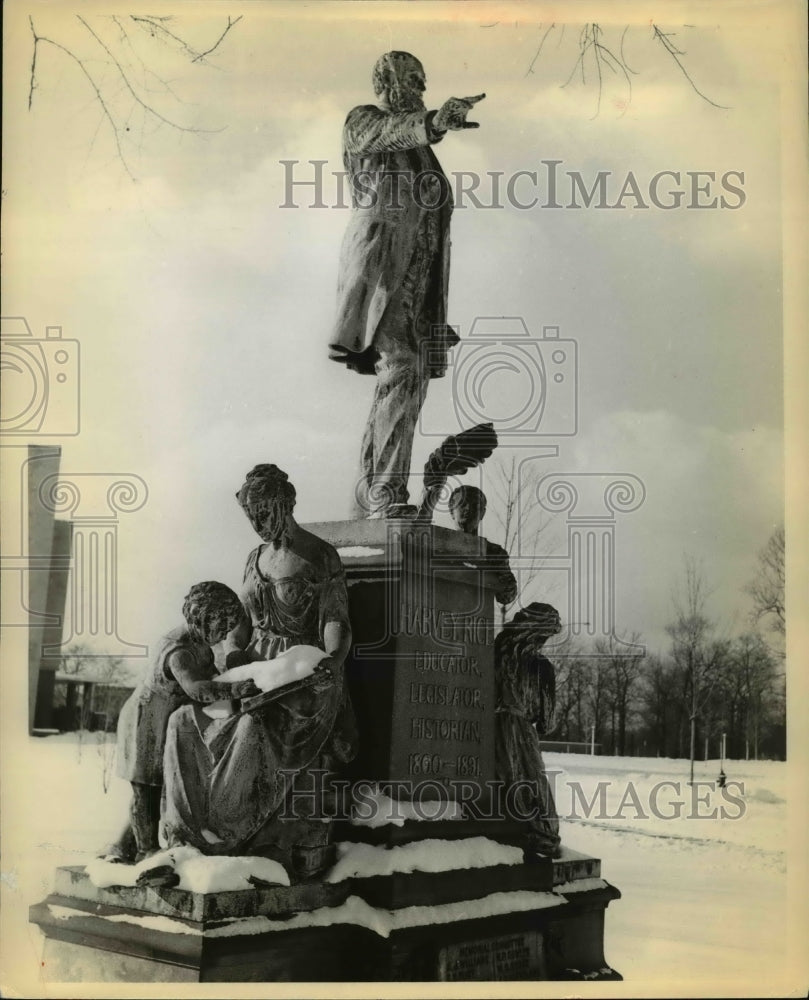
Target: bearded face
(400, 81)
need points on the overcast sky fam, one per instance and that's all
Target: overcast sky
(203, 308)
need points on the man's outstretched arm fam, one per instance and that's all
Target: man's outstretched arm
(369, 129)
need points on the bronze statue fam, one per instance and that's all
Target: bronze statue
(184, 671)
(525, 703)
(394, 268)
(467, 506)
(231, 780)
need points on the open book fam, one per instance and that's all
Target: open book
(293, 669)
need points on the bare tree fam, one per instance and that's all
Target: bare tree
(695, 650)
(767, 590)
(753, 665)
(659, 708)
(521, 520)
(99, 676)
(599, 56)
(623, 672)
(597, 695)
(81, 661)
(127, 63)
(572, 684)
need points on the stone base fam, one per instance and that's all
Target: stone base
(512, 922)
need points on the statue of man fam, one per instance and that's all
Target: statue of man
(467, 507)
(394, 268)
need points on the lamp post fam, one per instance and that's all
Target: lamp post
(722, 777)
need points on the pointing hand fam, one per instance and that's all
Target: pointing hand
(453, 112)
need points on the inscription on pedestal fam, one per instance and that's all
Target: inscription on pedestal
(421, 669)
(445, 700)
(514, 957)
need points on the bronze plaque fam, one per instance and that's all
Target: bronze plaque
(512, 957)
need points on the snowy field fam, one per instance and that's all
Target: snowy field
(704, 907)
(704, 899)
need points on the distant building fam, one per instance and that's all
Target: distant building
(48, 559)
(84, 702)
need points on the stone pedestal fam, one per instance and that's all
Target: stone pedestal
(421, 671)
(421, 678)
(508, 922)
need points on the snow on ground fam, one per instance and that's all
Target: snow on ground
(703, 898)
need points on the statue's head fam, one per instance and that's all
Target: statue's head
(467, 507)
(540, 620)
(212, 610)
(268, 499)
(399, 81)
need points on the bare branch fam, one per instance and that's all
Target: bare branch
(609, 55)
(596, 30)
(584, 44)
(33, 63)
(99, 96)
(132, 76)
(152, 24)
(539, 49)
(767, 590)
(207, 52)
(146, 69)
(519, 515)
(148, 108)
(621, 51)
(591, 39)
(674, 52)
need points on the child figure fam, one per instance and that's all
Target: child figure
(187, 661)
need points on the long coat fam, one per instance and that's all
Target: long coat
(386, 154)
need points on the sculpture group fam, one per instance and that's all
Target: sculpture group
(244, 697)
(248, 695)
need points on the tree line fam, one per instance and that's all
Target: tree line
(678, 703)
(631, 704)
